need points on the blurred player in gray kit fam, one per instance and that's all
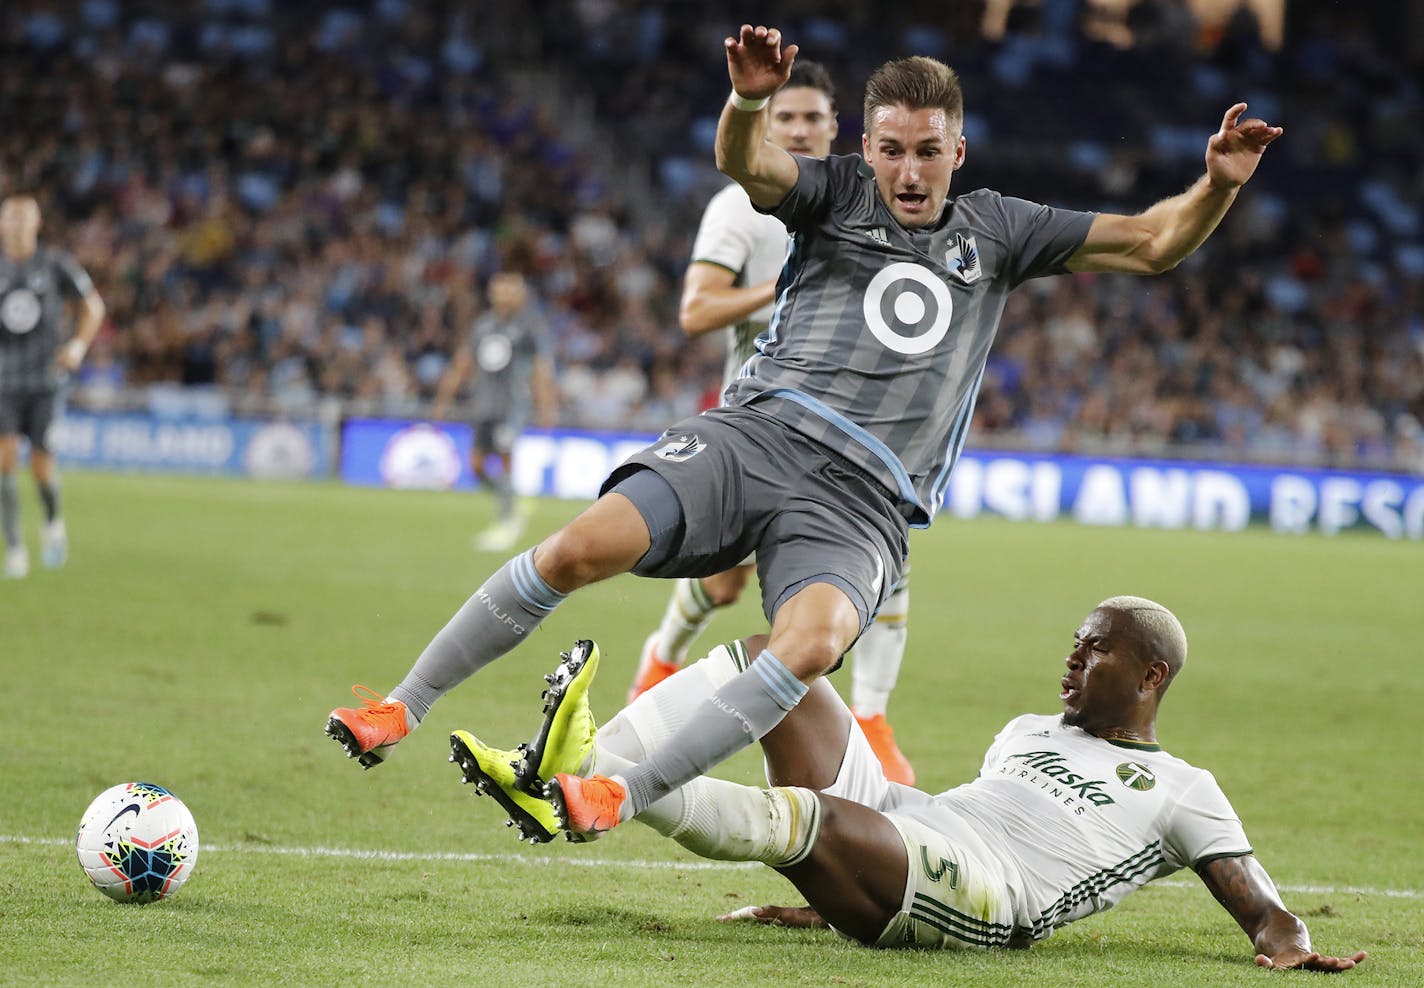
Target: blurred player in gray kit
(508, 345)
(35, 358)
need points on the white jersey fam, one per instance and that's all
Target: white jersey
(752, 246)
(1079, 822)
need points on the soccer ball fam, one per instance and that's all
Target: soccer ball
(137, 842)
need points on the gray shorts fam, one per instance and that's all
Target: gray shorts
(497, 435)
(28, 414)
(747, 483)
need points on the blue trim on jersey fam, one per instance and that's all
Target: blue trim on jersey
(878, 449)
(790, 271)
(957, 435)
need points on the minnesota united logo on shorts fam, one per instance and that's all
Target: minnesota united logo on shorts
(679, 448)
(962, 259)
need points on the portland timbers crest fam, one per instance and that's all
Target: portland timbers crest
(1137, 776)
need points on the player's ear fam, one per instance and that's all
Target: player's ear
(959, 153)
(865, 146)
(1155, 676)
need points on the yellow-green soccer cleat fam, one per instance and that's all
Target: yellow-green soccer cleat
(565, 738)
(492, 772)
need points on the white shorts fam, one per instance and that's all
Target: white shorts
(956, 894)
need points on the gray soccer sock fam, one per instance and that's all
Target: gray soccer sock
(739, 713)
(49, 496)
(9, 509)
(499, 615)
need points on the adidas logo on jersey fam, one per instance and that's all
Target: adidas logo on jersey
(879, 235)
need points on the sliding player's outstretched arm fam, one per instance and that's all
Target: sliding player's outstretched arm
(758, 67)
(1280, 938)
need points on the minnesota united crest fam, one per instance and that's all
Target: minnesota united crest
(962, 259)
(679, 448)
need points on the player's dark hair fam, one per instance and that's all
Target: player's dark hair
(917, 83)
(806, 74)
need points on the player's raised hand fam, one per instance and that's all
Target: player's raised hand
(757, 63)
(1309, 960)
(1233, 152)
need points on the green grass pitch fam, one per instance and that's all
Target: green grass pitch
(204, 628)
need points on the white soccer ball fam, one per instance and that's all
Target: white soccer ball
(137, 842)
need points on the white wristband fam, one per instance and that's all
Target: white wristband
(78, 348)
(740, 102)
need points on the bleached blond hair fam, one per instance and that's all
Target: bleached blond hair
(1162, 634)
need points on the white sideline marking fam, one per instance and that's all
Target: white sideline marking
(587, 862)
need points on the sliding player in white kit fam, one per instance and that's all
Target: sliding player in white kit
(730, 285)
(1069, 814)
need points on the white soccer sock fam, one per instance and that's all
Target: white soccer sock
(875, 662)
(645, 724)
(724, 821)
(688, 611)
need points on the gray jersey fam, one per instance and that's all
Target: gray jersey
(32, 316)
(879, 337)
(504, 349)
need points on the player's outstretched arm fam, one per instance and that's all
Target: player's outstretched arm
(1160, 238)
(758, 67)
(1280, 938)
(803, 917)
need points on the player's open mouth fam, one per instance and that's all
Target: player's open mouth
(1069, 692)
(912, 200)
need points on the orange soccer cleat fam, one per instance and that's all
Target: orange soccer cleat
(882, 741)
(585, 806)
(369, 733)
(651, 669)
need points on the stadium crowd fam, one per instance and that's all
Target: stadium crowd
(292, 208)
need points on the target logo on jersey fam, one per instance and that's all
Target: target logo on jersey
(908, 308)
(20, 311)
(494, 353)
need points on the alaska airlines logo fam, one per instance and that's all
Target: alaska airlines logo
(962, 259)
(679, 448)
(1054, 766)
(1137, 776)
